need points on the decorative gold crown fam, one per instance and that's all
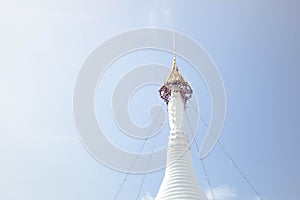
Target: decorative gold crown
(175, 79)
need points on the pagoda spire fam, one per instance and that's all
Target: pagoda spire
(180, 180)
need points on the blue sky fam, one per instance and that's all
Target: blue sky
(255, 45)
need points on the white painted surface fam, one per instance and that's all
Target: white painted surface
(180, 181)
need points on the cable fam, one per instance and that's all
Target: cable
(239, 170)
(208, 181)
(146, 173)
(137, 157)
(230, 158)
(202, 163)
(141, 186)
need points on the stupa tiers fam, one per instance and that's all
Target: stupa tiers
(180, 181)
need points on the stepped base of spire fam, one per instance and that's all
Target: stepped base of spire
(180, 181)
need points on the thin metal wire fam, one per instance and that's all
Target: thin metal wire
(146, 173)
(208, 180)
(137, 157)
(202, 163)
(229, 157)
(239, 170)
(141, 186)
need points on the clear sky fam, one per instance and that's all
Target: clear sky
(255, 45)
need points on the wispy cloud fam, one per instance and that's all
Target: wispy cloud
(147, 197)
(222, 192)
(160, 13)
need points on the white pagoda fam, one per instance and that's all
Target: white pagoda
(180, 181)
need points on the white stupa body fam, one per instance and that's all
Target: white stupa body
(180, 181)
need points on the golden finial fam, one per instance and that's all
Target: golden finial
(175, 81)
(174, 66)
